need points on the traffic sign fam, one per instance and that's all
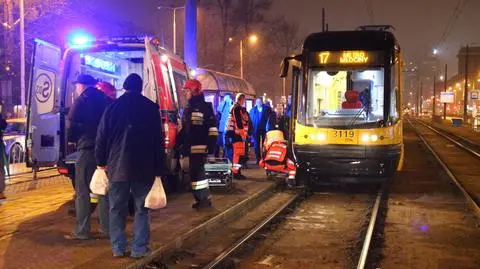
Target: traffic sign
(447, 97)
(474, 95)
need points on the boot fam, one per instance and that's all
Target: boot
(202, 204)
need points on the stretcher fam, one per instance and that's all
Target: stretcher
(218, 172)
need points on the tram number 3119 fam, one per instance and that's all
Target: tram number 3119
(343, 134)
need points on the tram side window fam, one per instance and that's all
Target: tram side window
(394, 93)
(344, 97)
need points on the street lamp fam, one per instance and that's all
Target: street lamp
(174, 24)
(465, 93)
(252, 39)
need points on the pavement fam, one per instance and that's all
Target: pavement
(34, 220)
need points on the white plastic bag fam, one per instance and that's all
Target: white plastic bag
(156, 198)
(99, 182)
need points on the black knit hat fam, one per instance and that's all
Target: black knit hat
(133, 83)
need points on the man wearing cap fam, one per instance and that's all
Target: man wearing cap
(130, 146)
(83, 121)
(196, 139)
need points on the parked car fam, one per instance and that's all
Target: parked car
(14, 139)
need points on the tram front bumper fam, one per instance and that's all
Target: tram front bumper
(348, 160)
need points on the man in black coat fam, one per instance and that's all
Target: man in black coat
(83, 120)
(130, 146)
(259, 115)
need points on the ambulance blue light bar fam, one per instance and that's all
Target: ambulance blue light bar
(80, 39)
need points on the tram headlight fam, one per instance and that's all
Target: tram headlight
(318, 136)
(369, 137)
(365, 138)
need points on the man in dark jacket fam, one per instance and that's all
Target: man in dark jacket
(83, 121)
(196, 139)
(130, 146)
(259, 116)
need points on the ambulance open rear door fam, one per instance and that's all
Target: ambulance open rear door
(43, 114)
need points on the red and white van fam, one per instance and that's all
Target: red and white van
(51, 92)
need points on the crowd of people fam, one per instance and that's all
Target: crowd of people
(256, 123)
(123, 136)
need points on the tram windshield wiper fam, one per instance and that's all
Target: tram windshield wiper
(357, 116)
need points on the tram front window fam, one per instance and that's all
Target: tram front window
(339, 97)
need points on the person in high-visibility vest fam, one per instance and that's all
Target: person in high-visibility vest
(276, 156)
(196, 139)
(237, 131)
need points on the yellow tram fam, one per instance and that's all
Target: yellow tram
(346, 116)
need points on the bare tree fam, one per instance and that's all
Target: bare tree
(286, 35)
(225, 7)
(248, 13)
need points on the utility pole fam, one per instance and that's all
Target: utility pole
(241, 58)
(434, 93)
(465, 92)
(323, 19)
(6, 86)
(22, 57)
(417, 96)
(190, 36)
(421, 97)
(445, 90)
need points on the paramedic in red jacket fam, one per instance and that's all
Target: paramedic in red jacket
(197, 138)
(237, 131)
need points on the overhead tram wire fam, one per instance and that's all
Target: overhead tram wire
(453, 19)
(370, 13)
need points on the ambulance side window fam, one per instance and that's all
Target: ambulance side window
(179, 80)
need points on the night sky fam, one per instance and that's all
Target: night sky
(419, 23)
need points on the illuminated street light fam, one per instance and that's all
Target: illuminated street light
(435, 51)
(174, 9)
(252, 39)
(442, 78)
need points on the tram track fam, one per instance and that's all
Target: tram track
(453, 162)
(429, 223)
(338, 226)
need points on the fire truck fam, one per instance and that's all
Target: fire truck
(51, 92)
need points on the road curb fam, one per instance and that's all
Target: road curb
(206, 227)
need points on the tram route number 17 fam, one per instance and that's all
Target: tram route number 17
(343, 134)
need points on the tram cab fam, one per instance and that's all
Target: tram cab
(347, 118)
(51, 92)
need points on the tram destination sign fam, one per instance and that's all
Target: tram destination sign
(347, 58)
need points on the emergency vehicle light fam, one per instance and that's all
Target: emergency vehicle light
(80, 39)
(164, 58)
